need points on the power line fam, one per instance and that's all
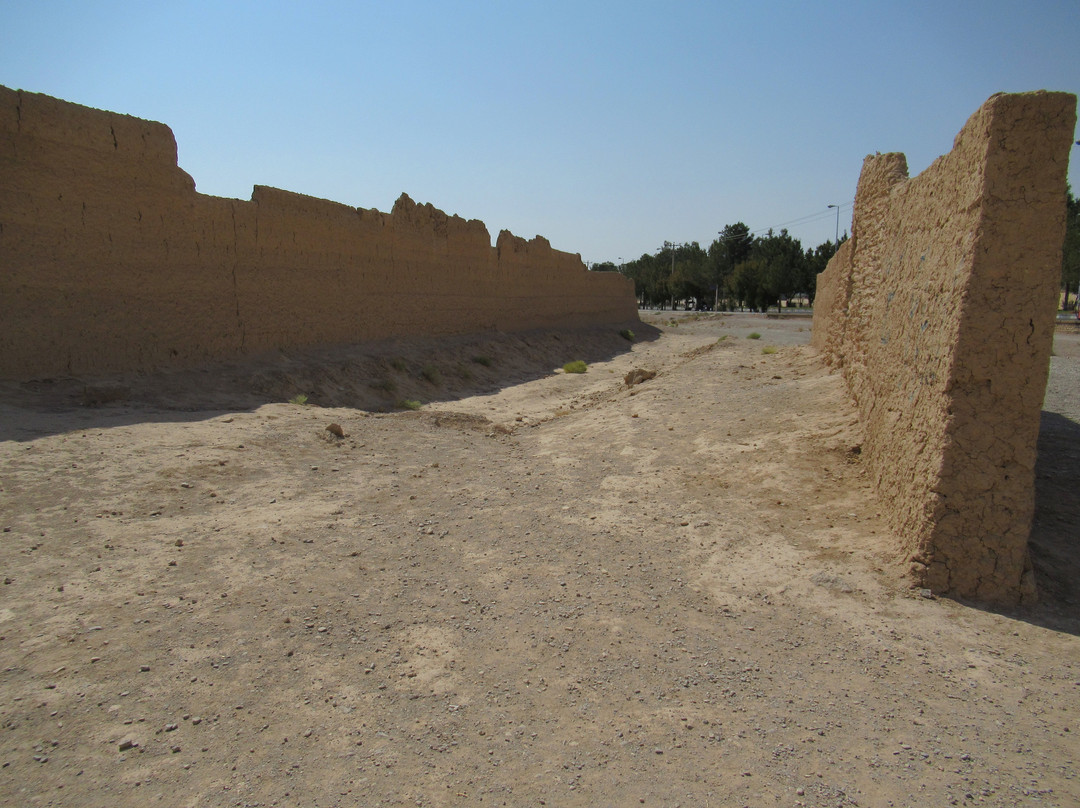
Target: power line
(810, 218)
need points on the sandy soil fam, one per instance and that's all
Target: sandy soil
(541, 589)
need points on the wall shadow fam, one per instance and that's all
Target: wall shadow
(1055, 531)
(372, 376)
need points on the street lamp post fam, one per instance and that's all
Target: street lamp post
(837, 223)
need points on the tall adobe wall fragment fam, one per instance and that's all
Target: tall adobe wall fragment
(940, 312)
(110, 260)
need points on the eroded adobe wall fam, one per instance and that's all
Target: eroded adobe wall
(940, 312)
(110, 260)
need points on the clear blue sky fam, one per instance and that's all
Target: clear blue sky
(608, 127)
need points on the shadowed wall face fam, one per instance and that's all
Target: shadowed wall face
(110, 261)
(940, 311)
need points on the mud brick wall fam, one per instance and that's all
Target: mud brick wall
(111, 261)
(940, 312)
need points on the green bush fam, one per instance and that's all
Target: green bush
(627, 334)
(431, 374)
(409, 404)
(576, 366)
(299, 399)
(486, 361)
(753, 335)
(769, 349)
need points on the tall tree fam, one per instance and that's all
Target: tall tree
(781, 261)
(650, 283)
(691, 279)
(725, 253)
(746, 284)
(816, 260)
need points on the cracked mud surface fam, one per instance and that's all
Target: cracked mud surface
(675, 594)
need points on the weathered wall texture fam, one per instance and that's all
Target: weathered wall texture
(940, 310)
(110, 260)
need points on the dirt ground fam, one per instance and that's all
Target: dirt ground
(538, 589)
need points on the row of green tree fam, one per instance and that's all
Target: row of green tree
(738, 270)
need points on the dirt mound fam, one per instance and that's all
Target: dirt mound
(637, 376)
(379, 376)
